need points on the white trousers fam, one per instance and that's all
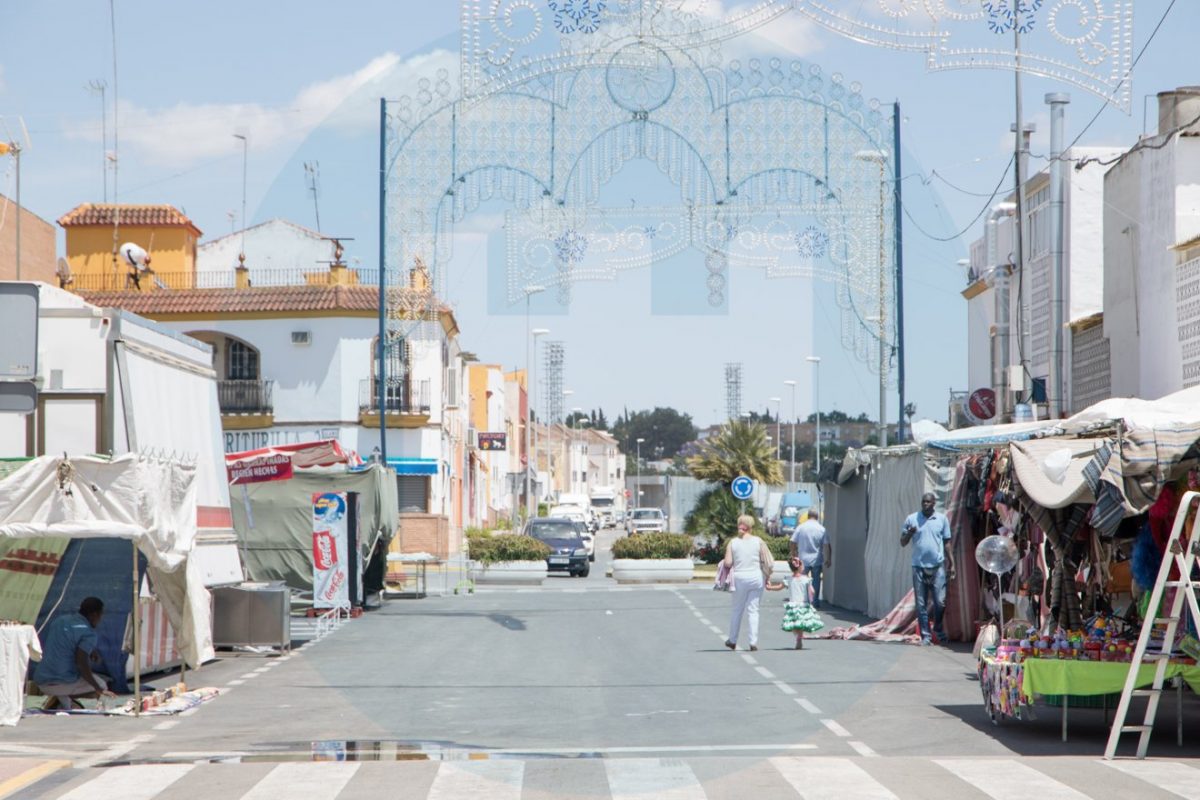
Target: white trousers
(747, 591)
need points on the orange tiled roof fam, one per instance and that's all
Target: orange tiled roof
(256, 299)
(130, 214)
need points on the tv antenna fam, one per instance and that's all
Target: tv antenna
(312, 179)
(99, 86)
(338, 250)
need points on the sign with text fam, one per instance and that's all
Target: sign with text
(493, 441)
(275, 467)
(331, 585)
(981, 406)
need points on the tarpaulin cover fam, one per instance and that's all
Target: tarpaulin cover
(273, 519)
(894, 489)
(148, 501)
(323, 453)
(1042, 482)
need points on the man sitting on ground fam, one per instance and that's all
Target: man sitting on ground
(65, 671)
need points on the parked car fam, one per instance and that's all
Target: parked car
(580, 515)
(647, 520)
(568, 551)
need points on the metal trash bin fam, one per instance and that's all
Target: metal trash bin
(252, 615)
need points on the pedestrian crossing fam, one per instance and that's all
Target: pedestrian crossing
(702, 778)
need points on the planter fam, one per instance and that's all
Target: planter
(780, 572)
(652, 570)
(509, 573)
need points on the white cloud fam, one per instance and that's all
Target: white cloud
(789, 34)
(186, 133)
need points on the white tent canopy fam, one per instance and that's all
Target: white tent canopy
(148, 501)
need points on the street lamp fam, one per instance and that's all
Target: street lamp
(816, 362)
(530, 459)
(245, 158)
(792, 454)
(778, 401)
(637, 483)
(879, 157)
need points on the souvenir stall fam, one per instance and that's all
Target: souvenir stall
(1081, 519)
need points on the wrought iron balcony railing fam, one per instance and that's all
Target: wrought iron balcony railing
(246, 396)
(399, 395)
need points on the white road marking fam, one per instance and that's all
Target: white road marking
(783, 687)
(304, 781)
(766, 673)
(1170, 776)
(836, 728)
(863, 750)
(1007, 778)
(749, 659)
(166, 725)
(807, 706)
(248, 676)
(493, 779)
(717, 631)
(130, 783)
(817, 778)
(662, 779)
(114, 752)
(261, 670)
(234, 682)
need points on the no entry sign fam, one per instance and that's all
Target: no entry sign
(981, 406)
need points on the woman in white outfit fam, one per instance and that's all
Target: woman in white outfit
(750, 561)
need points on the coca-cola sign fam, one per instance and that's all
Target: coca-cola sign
(324, 550)
(330, 585)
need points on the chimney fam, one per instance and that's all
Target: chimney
(1177, 108)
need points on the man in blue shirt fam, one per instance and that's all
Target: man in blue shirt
(810, 544)
(932, 562)
(65, 671)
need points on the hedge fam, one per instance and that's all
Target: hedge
(488, 549)
(653, 545)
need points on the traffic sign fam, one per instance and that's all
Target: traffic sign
(981, 406)
(742, 487)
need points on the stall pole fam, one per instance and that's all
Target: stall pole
(137, 646)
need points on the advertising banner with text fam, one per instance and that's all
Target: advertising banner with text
(331, 585)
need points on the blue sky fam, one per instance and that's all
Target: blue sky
(303, 85)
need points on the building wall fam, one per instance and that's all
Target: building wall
(38, 261)
(1090, 366)
(1187, 310)
(89, 249)
(275, 245)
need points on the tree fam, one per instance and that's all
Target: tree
(600, 423)
(578, 419)
(715, 516)
(664, 431)
(739, 448)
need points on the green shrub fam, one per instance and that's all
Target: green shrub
(488, 549)
(780, 547)
(653, 545)
(715, 516)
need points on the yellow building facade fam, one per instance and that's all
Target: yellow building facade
(95, 231)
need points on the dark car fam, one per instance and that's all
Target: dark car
(568, 550)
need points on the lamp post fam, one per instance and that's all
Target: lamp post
(530, 460)
(879, 157)
(637, 482)
(245, 160)
(15, 149)
(816, 362)
(778, 401)
(792, 454)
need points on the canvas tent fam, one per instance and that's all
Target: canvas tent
(150, 502)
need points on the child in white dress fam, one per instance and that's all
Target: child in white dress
(799, 616)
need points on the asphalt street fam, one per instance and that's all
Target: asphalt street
(585, 688)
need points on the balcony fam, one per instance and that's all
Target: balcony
(406, 403)
(246, 403)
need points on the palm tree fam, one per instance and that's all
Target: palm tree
(739, 448)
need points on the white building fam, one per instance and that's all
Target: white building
(272, 246)
(1151, 226)
(1029, 339)
(578, 460)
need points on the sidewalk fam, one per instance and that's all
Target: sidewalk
(17, 773)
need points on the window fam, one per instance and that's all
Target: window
(1038, 222)
(241, 361)
(413, 493)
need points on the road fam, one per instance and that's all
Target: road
(583, 688)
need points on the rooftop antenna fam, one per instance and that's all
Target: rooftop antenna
(338, 250)
(99, 86)
(242, 134)
(312, 178)
(112, 18)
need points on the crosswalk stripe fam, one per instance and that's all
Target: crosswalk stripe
(818, 778)
(652, 779)
(303, 781)
(130, 783)
(500, 780)
(1173, 777)
(1006, 778)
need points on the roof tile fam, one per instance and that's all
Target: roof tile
(129, 214)
(239, 301)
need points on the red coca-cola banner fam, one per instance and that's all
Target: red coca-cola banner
(275, 467)
(330, 586)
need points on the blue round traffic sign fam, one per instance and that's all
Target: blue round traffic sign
(742, 487)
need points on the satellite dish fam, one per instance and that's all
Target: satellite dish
(65, 278)
(135, 256)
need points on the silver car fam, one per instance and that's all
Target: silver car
(646, 520)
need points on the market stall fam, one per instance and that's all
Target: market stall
(149, 502)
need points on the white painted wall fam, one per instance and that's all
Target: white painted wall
(272, 245)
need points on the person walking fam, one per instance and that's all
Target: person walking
(750, 560)
(810, 544)
(932, 564)
(799, 616)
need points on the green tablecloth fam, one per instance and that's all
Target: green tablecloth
(1051, 676)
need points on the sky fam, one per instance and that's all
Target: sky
(303, 87)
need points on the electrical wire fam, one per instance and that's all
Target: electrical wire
(971, 224)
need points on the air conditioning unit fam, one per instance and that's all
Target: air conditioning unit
(302, 337)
